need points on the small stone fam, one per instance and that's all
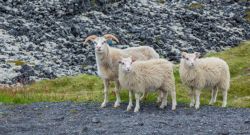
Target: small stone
(247, 122)
(96, 120)
(84, 129)
(4, 130)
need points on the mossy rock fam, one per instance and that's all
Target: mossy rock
(97, 2)
(161, 1)
(158, 39)
(247, 17)
(244, 1)
(17, 62)
(196, 6)
(93, 2)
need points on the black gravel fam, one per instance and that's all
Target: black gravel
(88, 119)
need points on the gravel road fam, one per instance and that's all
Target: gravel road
(87, 118)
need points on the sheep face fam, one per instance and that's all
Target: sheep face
(100, 44)
(126, 64)
(190, 59)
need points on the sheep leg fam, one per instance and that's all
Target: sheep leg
(130, 104)
(164, 99)
(192, 94)
(137, 99)
(105, 91)
(213, 95)
(173, 96)
(144, 95)
(159, 98)
(197, 103)
(224, 93)
(117, 94)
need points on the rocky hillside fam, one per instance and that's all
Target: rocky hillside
(43, 38)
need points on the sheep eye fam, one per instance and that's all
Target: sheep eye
(187, 58)
(103, 42)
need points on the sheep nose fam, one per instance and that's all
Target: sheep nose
(98, 47)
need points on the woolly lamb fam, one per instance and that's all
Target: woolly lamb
(144, 76)
(107, 61)
(204, 73)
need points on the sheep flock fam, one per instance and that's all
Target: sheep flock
(140, 70)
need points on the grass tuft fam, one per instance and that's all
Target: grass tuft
(84, 88)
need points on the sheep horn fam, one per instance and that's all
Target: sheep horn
(91, 38)
(110, 36)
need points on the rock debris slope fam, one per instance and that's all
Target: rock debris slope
(43, 38)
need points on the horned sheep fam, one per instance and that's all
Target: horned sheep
(204, 73)
(107, 61)
(144, 76)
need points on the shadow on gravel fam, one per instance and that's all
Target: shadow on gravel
(87, 118)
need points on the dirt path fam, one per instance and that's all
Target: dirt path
(87, 118)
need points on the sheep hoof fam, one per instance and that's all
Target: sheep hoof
(117, 104)
(197, 107)
(191, 105)
(162, 106)
(103, 105)
(136, 110)
(173, 108)
(211, 103)
(129, 108)
(223, 105)
(158, 101)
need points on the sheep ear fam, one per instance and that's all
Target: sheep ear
(133, 59)
(183, 54)
(111, 37)
(197, 54)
